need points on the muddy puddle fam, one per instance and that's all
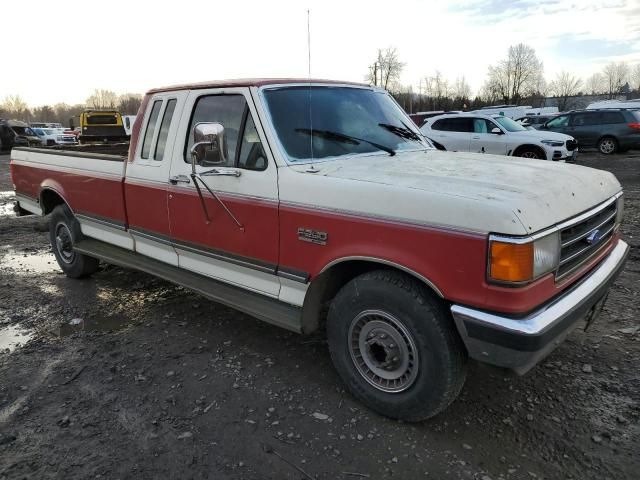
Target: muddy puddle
(6, 204)
(12, 337)
(94, 324)
(42, 262)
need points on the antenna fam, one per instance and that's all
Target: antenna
(309, 78)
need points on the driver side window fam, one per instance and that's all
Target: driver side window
(242, 146)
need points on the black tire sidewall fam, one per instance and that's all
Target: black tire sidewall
(81, 265)
(424, 321)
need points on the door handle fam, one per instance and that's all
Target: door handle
(476, 138)
(222, 172)
(176, 179)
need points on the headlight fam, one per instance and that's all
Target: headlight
(553, 143)
(521, 260)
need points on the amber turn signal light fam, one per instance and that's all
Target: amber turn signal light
(511, 262)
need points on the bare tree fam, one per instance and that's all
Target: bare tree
(16, 107)
(634, 77)
(564, 86)
(438, 91)
(615, 76)
(519, 75)
(461, 89)
(595, 84)
(129, 103)
(386, 70)
(101, 99)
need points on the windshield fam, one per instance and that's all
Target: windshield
(102, 119)
(509, 125)
(321, 122)
(39, 131)
(48, 131)
(24, 131)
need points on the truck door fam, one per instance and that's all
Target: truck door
(146, 186)
(228, 230)
(484, 141)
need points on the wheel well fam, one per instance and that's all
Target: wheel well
(607, 136)
(326, 286)
(50, 199)
(527, 146)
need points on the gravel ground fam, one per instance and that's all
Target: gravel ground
(126, 376)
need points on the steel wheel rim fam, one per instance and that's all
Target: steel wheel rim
(64, 243)
(607, 146)
(530, 155)
(383, 351)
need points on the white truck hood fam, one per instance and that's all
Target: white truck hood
(465, 191)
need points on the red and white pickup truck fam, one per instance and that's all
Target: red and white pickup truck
(315, 204)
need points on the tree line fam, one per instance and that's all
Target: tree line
(14, 107)
(516, 79)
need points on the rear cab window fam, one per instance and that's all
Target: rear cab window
(156, 130)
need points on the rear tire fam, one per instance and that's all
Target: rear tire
(394, 345)
(607, 145)
(64, 233)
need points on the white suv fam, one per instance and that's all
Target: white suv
(498, 135)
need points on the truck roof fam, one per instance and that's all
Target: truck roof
(249, 82)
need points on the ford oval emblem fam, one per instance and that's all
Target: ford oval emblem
(593, 237)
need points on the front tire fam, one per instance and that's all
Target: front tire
(607, 145)
(531, 153)
(394, 345)
(64, 233)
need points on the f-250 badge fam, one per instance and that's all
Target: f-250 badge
(312, 236)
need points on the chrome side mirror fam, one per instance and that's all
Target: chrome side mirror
(209, 147)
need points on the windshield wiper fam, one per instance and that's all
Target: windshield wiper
(344, 138)
(402, 132)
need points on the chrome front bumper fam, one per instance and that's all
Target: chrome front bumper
(520, 343)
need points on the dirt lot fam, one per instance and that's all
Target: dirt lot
(125, 376)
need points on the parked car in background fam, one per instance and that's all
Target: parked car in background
(420, 117)
(610, 130)
(101, 126)
(127, 122)
(45, 125)
(614, 104)
(534, 121)
(9, 139)
(24, 131)
(499, 135)
(52, 136)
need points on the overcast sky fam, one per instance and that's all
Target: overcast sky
(62, 51)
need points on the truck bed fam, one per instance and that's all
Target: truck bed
(88, 180)
(119, 150)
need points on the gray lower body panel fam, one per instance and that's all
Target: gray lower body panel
(259, 306)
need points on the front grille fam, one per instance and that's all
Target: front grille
(572, 145)
(581, 241)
